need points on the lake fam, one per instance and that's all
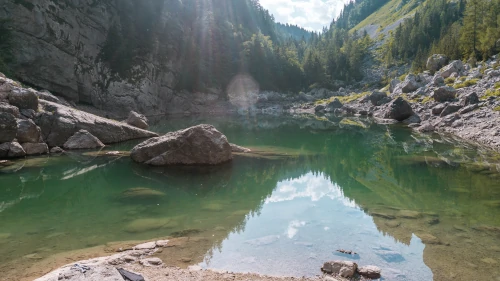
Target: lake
(421, 207)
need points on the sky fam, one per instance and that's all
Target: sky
(309, 14)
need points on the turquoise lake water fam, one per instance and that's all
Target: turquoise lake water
(421, 207)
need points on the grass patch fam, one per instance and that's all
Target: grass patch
(491, 93)
(496, 108)
(402, 77)
(345, 99)
(450, 80)
(467, 83)
(497, 85)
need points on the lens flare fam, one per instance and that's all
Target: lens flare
(243, 91)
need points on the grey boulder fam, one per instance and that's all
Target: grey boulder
(23, 98)
(198, 145)
(59, 122)
(5, 107)
(399, 109)
(27, 131)
(83, 140)
(16, 150)
(8, 127)
(449, 109)
(375, 97)
(444, 93)
(344, 269)
(137, 120)
(436, 62)
(470, 99)
(410, 84)
(35, 148)
(454, 67)
(336, 103)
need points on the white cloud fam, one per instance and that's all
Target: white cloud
(309, 14)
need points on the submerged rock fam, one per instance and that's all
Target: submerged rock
(344, 269)
(141, 193)
(83, 140)
(56, 150)
(199, 145)
(145, 225)
(137, 120)
(239, 149)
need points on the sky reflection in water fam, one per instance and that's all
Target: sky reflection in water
(301, 219)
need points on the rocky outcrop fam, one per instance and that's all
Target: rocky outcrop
(399, 110)
(137, 120)
(436, 62)
(199, 145)
(58, 123)
(8, 127)
(7, 108)
(61, 49)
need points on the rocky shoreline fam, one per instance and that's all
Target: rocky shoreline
(456, 99)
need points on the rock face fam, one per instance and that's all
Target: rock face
(59, 122)
(83, 140)
(436, 62)
(199, 145)
(344, 269)
(370, 271)
(137, 120)
(27, 131)
(444, 93)
(8, 127)
(67, 38)
(399, 110)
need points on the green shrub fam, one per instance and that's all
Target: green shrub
(491, 93)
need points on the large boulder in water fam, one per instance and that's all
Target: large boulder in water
(399, 110)
(199, 145)
(59, 122)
